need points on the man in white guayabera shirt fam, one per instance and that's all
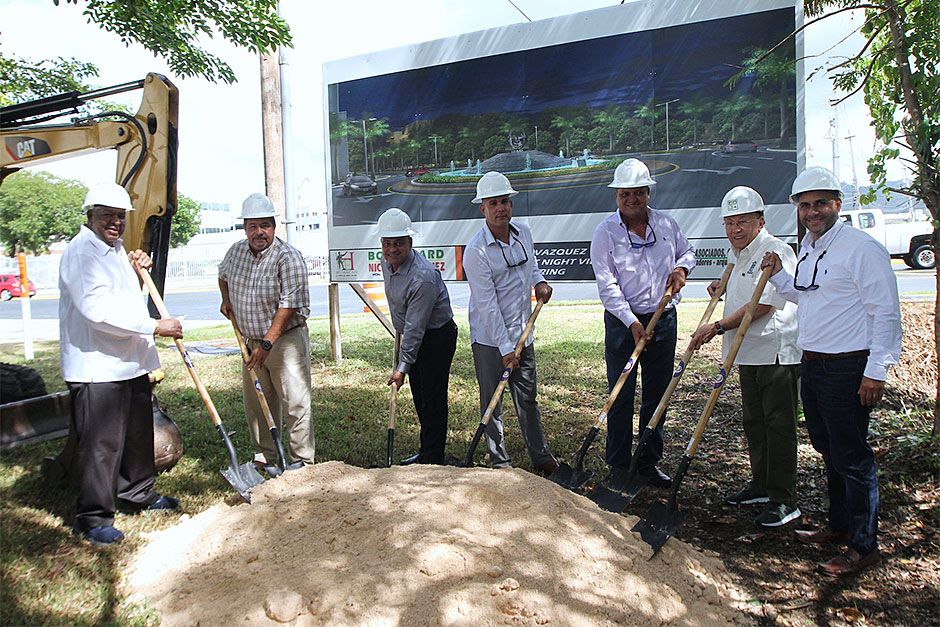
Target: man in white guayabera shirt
(106, 349)
(849, 327)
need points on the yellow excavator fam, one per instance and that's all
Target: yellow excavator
(146, 145)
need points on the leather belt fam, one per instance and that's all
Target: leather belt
(814, 356)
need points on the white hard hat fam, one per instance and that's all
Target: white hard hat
(493, 184)
(632, 173)
(394, 223)
(257, 206)
(108, 195)
(815, 179)
(740, 200)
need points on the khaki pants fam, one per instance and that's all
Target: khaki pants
(285, 381)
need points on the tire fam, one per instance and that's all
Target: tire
(18, 383)
(923, 257)
(5, 295)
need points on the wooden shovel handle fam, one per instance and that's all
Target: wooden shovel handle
(504, 380)
(628, 368)
(729, 361)
(689, 352)
(265, 408)
(165, 314)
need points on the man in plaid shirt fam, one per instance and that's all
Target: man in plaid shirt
(263, 281)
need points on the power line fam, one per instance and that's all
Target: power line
(518, 9)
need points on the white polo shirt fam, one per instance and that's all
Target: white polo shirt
(771, 338)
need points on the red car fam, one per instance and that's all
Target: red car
(10, 286)
(418, 171)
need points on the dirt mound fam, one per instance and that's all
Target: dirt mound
(332, 544)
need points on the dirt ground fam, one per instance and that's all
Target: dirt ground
(333, 544)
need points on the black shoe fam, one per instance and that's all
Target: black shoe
(656, 477)
(163, 504)
(101, 536)
(414, 459)
(747, 496)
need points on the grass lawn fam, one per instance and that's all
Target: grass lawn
(51, 577)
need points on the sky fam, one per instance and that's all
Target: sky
(220, 156)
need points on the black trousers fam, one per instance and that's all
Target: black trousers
(429, 377)
(113, 426)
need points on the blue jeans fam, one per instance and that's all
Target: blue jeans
(838, 428)
(656, 362)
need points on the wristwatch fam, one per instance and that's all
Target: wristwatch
(266, 345)
(719, 330)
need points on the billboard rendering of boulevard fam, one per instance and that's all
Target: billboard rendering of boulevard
(556, 105)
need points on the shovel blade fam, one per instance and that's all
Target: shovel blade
(243, 478)
(571, 478)
(635, 483)
(658, 525)
(608, 498)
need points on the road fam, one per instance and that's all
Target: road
(203, 304)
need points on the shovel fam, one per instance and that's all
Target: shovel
(282, 465)
(574, 478)
(635, 481)
(661, 522)
(390, 449)
(503, 381)
(242, 477)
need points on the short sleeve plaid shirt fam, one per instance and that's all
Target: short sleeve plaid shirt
(259, 286)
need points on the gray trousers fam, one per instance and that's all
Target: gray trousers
(285, 381)
(488, 363)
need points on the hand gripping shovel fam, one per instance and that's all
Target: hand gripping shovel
(242, 477)
(503, 381)
(282, 465)
(660, 522)
(574, 478)
(635, 481)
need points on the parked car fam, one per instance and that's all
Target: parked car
(10, 287)
(359, 184)
(739, 145)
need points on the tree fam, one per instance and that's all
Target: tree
(898, 71)
(186, 221)
(37, 210)
(171, 28)
(22, 79)
(774, 70)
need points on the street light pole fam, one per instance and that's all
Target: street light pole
(365, 153)
(666, 104)
(536, 137)
(435, 138)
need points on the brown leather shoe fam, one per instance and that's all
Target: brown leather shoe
(821, 536)
(548, 467)
(849, 563)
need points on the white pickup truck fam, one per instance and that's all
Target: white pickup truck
(909, 241)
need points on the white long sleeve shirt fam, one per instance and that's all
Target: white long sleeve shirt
(856, 306)
(500, 296)
(770, 339)
(105, 331)
(631, 281)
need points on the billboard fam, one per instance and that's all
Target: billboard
(556, 105)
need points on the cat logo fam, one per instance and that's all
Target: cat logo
(19, 147)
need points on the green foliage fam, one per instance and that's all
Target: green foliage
(185, 221)
(171, 29)
(38, 209)
(22, 79)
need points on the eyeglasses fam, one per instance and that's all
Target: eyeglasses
(525, 253)
(812, 284)
(734, 224)
(643, 244)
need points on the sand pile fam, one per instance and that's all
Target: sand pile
(333, 544)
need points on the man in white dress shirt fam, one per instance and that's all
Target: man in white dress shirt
(501, 268)
(849, 327)
(768, 359)
(636, 254)
(106, 350)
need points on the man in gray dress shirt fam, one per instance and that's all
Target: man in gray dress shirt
(420, 308)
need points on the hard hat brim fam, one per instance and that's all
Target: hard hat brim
(266, 214)
(482, 198)
(616, 185)
(398, 233)
(795, 198)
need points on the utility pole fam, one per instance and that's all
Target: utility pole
(271, 138)
(834, 138)
(854, 176)
(666, 104)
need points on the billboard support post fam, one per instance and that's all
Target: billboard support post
(336, 340)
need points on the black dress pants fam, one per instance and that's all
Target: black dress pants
(429, 378)
(113, 426)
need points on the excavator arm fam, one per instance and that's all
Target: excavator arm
(146, 145)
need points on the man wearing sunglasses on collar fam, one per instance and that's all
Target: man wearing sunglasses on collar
(636, 254)
(849, 327)
(501, 268)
